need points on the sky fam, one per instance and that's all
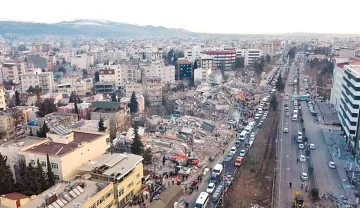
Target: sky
(211, 16)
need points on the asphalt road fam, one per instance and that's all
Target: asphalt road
(288, 170)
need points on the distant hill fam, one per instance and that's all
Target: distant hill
(101, 28)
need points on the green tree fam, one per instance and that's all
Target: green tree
(17, 98)
(6, 176)
(42, 130)
(61, 69)
(113, 97)
(147, 155)
(50, 174)
(76, 109)
(280, 84)
(101, 125)
(273, 103)
(31, 89)
(137, 146)
(259, 65)
(74, 97)
(268, 58)
(238, 64)
(46, 107)
(38, 91)
(147, 101)
(41, 177)
(134, 106)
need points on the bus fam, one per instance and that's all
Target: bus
(202, 200)
(243, 135)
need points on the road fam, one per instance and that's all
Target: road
(288, 170)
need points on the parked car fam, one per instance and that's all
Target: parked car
(210, 188)
(301, 146)
(286, 130)
(304, 176)
(312, 146)
(242, 153)
(332, 165)
(302, 158)
(232, 150)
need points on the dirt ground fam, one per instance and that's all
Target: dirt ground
(253, 184)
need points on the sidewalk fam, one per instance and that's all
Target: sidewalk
(342, 157)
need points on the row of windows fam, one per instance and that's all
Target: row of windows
(345, 125)
(346, 117)
(349, 84)
(348, 92)
(44, 164)
(102, 199)
(346, 99)
(352, 76)
(355, 115)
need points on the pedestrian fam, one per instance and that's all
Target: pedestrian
(290, 184)
(297, 160)
(197, 188)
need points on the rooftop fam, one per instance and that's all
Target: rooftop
(59, 149)
(114, 165)
(106, 105)
(183, 61)
(67, 195)
(15, 196)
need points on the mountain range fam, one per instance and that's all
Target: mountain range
(100, 28)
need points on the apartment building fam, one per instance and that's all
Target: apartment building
(205, 68)
(2, 98)
(107, 75)
(222, 58)
(80, 193)
(83, 87)
(133, 87)
(158, 69)
(43, 79)
(12, 70)
(67, 150)
(7, 125)
(184, 70)
(349, 104)
(82, 61)
(250, 55)
(193, 53)
(65, 88)
(153, 90)
(125, 171)
(104, 87)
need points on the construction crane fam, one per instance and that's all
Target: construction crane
(298, 200)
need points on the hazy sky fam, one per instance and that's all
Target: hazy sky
(224, 16)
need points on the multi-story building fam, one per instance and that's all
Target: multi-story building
(80, 193)
(158, 69)
(82, 61)
(11, 71)
(83, 87)
(206, 66)
(153, 90)
(7, 125)
(65, 88)
(135, 87)
(107, 75)
(250, 55)
(2, 98)
(349, 104)
(43, 79)
(184, 70)
(193, 53)
(67, 150)
(104, 87)
(222, 58)
(125, 171)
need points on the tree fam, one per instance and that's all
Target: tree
(42, 130)
(280, 84)
(314, 193)
(147, 101)
(134, 106)
(112, 128)
(259, 65)
(101, 125)
(268, 58)
(113, 97)
(74, 97)
(31, 132)
(6, 176)
(61, 69)
(31, 89)
(147, 155)
(17, 98)
(238, 64)
(273, 103)
(292, 53)
(46, 107)
(37, 91)
(41, 177)
(50, 174)
(137, 146)
(76, 109)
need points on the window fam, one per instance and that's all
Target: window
(57, 177)
(54, 166)
(32, 162)
(43, 163)
(130, 184)
(108, 194)
(120, 192)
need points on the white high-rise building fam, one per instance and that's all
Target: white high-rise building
(250, 55)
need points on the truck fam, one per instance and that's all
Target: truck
(298, 200)
(218, 192)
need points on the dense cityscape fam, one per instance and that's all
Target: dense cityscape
(161, 118)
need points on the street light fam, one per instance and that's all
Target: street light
(273, 186)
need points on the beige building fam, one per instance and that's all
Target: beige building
(158, 69)
(79, 193)
(133, 87)
(153, 90)
(2, 98)
(67, 150)
(44, 79)
(7, 126)
(82, 61)
(12, 70)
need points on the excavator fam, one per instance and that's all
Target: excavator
(298, 200)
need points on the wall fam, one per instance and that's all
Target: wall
(107, 193)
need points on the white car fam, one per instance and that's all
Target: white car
(242, 153)
(332, 165)
(302, 158)
(304, 176)
(312, 146)
(301, 146)
(210, 188)
(286, 130)
(233, 150)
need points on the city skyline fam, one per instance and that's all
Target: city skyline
(258, 17)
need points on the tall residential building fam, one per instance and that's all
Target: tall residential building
(153, 90)
(193, 54)
(183, 70)
(2, 98)
(222, 58)
(11, 71)
(250, 55)
(82, 61)
(349, 104)
(158, 69)
(44, 79)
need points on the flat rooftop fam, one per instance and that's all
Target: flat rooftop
(51, 148)
(67, 195)
(21, 143)
(355, 68)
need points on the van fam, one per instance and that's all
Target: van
(218, 169)
(294, 118)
